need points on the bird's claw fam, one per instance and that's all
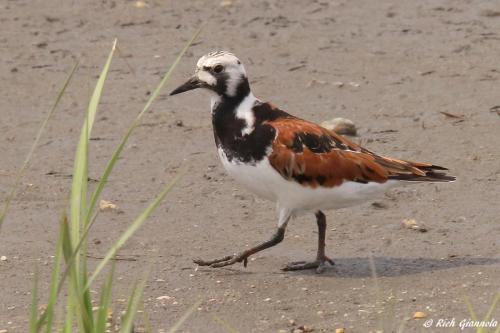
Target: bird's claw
(319, 264)
(225, 261)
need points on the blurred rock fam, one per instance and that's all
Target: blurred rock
(413, 225)
(105, 205)
(341, 126)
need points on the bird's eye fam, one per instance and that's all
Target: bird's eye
(218, 68)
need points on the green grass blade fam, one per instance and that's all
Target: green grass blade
(492, 308)
(139, 221)
(79, 185)
(147, 323)
(102, 312)
(84, 315)
(34, 305)
(47, 317)
(109, 167)
(72, 253)
(184, 317)
(27, 160)
(78, 202)
(67, 248)
(87, 311)
(96, 95)
(127, 324)
(79, 182)
(68, 320)
(470, 308)
(76, 302)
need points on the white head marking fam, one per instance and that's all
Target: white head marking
(232, 70)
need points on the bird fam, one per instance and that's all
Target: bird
(301, 166)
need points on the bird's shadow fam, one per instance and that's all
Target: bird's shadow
(364, 267)
(358, 267)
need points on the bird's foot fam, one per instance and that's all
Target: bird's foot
(319, 264)
(225, 261)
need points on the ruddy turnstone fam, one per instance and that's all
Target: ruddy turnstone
(298, 164)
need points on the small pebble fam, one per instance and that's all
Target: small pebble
(304, 329)
(419, 315)
(3, 258)
(413, 225)
(105, 205)
(163, 297)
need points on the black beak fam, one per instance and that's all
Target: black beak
(191, 84)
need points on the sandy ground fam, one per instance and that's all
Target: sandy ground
(403, 64)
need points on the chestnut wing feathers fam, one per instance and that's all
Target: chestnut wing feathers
(314, 156)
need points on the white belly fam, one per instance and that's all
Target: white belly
(263, 180)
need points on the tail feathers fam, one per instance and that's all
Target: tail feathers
(428, 173)
(429, 177)
(427, 167)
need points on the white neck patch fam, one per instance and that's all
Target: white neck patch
(244, 111)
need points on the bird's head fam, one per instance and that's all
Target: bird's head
(220, 72)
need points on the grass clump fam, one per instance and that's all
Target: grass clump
(70, 271)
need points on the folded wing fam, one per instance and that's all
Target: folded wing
(314, 156)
